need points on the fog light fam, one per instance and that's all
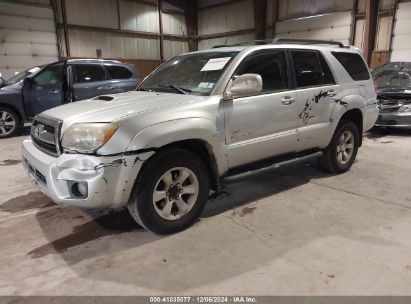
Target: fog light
(78, 189)
(82, 189)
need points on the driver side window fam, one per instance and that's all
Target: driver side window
(50, 75)
(271, 66)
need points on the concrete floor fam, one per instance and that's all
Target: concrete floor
(294, 231)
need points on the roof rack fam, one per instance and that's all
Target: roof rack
(284, 41)
(306, 41)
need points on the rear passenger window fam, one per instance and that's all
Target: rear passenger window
(89, 73)
(118, 72)
(271, 66)
(307, 68)
(354, 65)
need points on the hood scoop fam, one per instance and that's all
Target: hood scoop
(104, 97)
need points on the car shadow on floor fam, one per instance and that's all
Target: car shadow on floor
(86, 226)
(376, 133)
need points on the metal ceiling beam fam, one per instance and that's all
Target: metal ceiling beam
(128, 33)
(218, 4)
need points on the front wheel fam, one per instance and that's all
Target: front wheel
(170, 192)
(9, 123)
(342, 150)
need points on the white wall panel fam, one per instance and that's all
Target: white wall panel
(84, 44)
(101, 13)
(209, 43)
(359, 33)
(383, 33)
(335, 26)
(173, 48)
(174, 24)
(401, 44)
(227, 18)
(138, 17)
(300, 8)
(27, 36)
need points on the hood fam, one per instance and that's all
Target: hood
(11, 89)
(108, 108)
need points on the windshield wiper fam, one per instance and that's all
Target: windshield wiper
(146, 90)
(176, 88)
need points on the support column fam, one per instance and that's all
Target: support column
(190, 12)
(260, 17)
(371, 19)
(160, 20)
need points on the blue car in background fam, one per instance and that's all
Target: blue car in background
(33, 91)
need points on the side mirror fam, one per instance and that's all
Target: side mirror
(245, 85)
(28, 82)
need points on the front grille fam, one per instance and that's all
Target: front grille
(45, 135)
(391, 104)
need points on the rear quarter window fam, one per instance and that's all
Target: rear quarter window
(353, 64)
(118, 72)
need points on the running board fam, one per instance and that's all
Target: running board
(277, 165)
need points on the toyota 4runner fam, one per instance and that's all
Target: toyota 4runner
(201, 117)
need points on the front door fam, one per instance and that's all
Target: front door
(45, 90)
(262, 126)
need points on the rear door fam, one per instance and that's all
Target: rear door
(121, 78)
(317, 94)
(90, 80)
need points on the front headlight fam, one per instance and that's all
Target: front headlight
(405, 108)
(87, 137)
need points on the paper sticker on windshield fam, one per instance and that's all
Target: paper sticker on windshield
(215, 64)
(33, 70)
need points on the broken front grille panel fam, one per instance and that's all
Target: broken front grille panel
(45, 133)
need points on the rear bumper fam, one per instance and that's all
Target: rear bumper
(108, 179)
(394, 120)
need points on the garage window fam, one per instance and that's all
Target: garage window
(353, 64)
(118, 72)
(89, 73)
(272, 68)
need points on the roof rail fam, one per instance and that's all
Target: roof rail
(245, 43)
(306, 41)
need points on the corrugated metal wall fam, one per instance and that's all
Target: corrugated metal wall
(401, 45)
(124, 30)
(229, 24)
(334, 26)
(27, 36)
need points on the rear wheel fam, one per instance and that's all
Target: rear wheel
(170, 192)
(9, 123)
(342, 150)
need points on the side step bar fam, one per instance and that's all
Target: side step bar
(293, 161)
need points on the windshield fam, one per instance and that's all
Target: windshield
(393, 75)
(195, 73)
(19, 76)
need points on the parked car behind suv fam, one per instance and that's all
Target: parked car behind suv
(393, 83)
(59, 83)
(198, 118)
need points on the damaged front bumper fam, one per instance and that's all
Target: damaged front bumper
(394, 120)
(83, 180)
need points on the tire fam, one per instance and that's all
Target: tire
(334, 159)
(9, 123)
(163, 173)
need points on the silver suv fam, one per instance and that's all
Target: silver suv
(198, 118)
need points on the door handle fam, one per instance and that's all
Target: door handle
(55, 91)
(105, 88)
(331, 93)
(287, 100)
